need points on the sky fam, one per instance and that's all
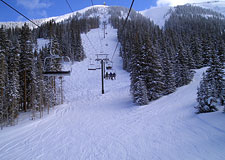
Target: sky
(36, 9)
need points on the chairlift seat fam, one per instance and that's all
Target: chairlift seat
(57, 73)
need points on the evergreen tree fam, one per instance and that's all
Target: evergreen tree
(140, 92)
(13, 84)
(182, 72)
(215, 77)
(206, 103)
(153, 71)
(26, 59)
(3, 72)
(168, 72)
(79, 54)
(136, 69)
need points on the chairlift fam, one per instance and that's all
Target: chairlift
(56, 65)
(92, 65)
(110, 75)
(98, 65)
(109, 65)
(102, 57)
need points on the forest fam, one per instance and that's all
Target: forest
(24, 88)
(161, 59)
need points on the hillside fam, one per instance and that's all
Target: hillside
(157, 14)
(147, 112)
(160, 14)
(217, 6)
(94, 126)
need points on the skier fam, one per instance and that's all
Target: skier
(114, 75)
(106, 75)
(110, 76)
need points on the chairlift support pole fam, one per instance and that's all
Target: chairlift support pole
(102, 69)
(102, 58)
(104, 27)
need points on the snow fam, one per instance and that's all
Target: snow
(160, 14)
(157, 14)
(41, 43)
(57, 19)
(93, 126)
(217, 6)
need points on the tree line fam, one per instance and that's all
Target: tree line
(23, 87)
(161, 59)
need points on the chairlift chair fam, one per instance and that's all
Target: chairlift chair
(56, 65)
(109, 65)
(92, 65)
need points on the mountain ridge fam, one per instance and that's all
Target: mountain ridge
(157, 14)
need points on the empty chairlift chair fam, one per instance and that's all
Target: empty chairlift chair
(56, 65)
(92, 65)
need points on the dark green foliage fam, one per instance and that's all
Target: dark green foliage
(206, 103)
(163, 59)
(211, 92)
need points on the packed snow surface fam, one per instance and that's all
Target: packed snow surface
(92, 126)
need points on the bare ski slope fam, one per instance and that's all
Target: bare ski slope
(91, 126)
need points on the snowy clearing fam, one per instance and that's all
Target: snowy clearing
(92, 126)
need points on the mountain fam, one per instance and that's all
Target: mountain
(160, 14)
(80, 13)
(217, 6)
(157, 14)
(91, 126)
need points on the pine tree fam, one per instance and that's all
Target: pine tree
(3, 72)
(26, 59)
(221, 51)
(135, 68)
(140, 92)
(168, 72)
(40, 85)
(153, 71)
(4, 52)
(182, 73)
(13, 84)
(196, 50)
(206, 103)
(215, 77)
(79, 54)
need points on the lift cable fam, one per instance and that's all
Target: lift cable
(123, 28)
(91, 43)
(98, 29)
(20, 13)
(85, 33)
(69, 5)
(92, 3)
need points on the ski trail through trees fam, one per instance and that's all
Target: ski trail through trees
(92, 126)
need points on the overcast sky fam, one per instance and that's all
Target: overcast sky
(35, 9)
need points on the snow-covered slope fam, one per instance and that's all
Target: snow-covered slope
(217, 6)
(157, 14)
(160, 14)
(92, 126)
